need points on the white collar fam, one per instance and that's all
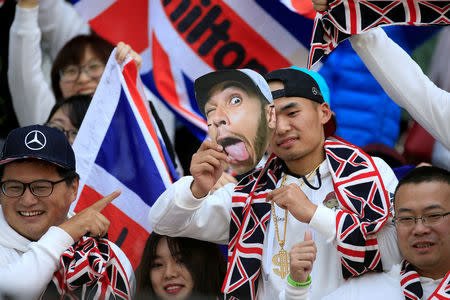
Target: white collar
(10, 238)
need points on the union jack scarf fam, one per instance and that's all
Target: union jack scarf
(91, 270)
(412, 289)
(364, 206)
(347, 17)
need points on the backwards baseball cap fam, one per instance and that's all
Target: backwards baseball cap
(299, 82)
(38, 142)
(249, 78)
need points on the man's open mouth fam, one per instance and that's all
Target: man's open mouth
(235, 149)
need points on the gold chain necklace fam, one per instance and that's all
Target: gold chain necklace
(281, 258)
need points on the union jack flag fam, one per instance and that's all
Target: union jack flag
(250, 214)
(180, 40)
(347, 17)
(443, 290)
(364, 204)
(410, 282)
(412, 288)
(91, 270)
(119, 146)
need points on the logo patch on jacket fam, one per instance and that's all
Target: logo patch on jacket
(331, 200)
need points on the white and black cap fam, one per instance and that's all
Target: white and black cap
(247, 77)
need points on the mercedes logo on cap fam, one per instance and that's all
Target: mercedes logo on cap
(35, 140)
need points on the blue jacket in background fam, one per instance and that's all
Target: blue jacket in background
(364, 112)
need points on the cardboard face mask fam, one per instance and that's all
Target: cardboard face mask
(235, 103)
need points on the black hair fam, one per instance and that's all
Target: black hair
(75, 107)
(424, 174)
(73, 52)
(204, 261)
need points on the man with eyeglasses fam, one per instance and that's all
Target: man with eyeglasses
(42, 248)
(422, 208)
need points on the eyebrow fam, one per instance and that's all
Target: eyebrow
(288, 106)
(229, 84)
(431, 207)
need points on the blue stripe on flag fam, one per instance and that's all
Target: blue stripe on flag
(149, 82)
(172, 171)
(124, 155)
(300, 27)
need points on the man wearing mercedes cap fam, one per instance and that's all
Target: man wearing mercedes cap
(39, 244)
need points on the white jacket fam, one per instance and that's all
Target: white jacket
(26, 267)
(406, 84)
(178, 213)
(375, 286)
(57, 22)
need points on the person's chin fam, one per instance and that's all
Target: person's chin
(181, 294)
(243, 167)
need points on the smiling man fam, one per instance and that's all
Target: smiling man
(237, 106)
(422, 209)
(41, 248)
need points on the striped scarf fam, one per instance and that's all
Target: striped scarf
(347, 17)
(412, 289)
(364, 209)
(90, 270)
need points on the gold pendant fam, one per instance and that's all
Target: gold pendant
(282, 260)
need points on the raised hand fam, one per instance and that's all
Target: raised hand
(90, 219)
(123, 50)
(320, 5)
(206, 167)
(302, 257)
(292, 198)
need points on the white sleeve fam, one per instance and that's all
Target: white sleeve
(29, 276)
(178, 213)
(387, 236)
(403, 80)
(59, 22)
(31, 95)
(294, 293)
(324, 222)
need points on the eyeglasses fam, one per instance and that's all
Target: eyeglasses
(427, 220)
(93, 69)
(71, 134)
(39, 188)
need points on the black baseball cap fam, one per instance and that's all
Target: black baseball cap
(306, 84)
(38, 142)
